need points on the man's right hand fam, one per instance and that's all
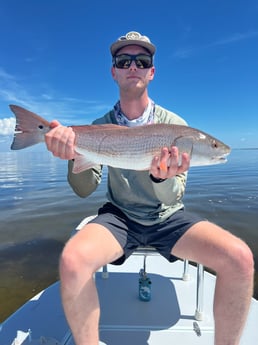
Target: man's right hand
(60, 141)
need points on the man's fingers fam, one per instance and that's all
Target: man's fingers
(169, 163)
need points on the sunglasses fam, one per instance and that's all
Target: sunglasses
(124, 61)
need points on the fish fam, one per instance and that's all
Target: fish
(122, 147)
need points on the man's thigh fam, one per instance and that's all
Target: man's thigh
(96, 244)
(208, 244)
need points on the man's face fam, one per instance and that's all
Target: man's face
(133, 78)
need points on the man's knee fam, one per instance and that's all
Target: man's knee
(240, 260)
(246, 259)
(75, 260)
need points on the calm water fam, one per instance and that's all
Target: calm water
(38, 210)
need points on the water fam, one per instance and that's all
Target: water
(38, 210)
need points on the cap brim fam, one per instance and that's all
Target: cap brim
(120, 44)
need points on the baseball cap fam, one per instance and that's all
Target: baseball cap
(132, 38)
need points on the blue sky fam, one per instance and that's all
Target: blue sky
(55, 61)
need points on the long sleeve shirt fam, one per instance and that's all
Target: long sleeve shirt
(133, 192)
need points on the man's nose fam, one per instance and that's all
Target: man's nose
(133, 66)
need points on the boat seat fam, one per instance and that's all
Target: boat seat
(147, 251)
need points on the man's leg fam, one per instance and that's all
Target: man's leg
(232, 261)
(93, 247)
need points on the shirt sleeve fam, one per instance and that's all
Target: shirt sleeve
(171, 191)
(86, 182)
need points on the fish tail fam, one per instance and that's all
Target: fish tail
(30, 128)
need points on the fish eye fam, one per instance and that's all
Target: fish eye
(40, 126)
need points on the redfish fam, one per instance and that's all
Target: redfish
(120, 146)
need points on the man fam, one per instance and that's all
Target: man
(145, 208)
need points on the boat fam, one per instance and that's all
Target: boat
(146, 300)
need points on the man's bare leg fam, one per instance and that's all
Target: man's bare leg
(232, 261)
(93, 247)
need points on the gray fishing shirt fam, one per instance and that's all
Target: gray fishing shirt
(133, 192)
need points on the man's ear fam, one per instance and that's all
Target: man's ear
(152, 73)
(113, 72)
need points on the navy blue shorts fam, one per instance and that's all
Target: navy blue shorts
(130, 235)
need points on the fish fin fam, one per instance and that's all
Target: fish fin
(184, 144)
(81, 163)
(30, 128)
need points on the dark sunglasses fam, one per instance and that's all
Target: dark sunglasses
(124, 61)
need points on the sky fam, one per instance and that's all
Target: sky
(55, 61)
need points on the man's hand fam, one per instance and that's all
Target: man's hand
(167, 164)
(60, 141)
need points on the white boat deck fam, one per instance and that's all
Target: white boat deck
(168, 318)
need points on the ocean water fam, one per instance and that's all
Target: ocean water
(38, 211)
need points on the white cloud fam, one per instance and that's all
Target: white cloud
(7, 126)
(186, 52)
(12, 92)
(235, 38)
(5, 75)
(44, 101)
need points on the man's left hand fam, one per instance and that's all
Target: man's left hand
(169, 163)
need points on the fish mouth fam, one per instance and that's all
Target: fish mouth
(221, 159)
